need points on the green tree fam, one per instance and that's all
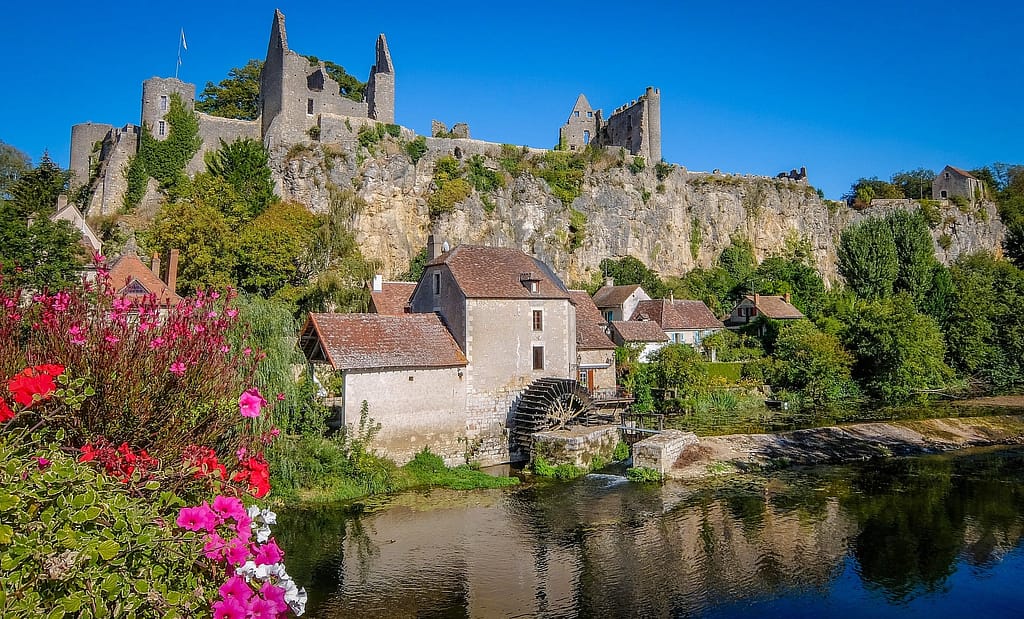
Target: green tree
(680, 367)
(867, 189)
(739, 262)
(271, 247)
(629, 270)
(13, 163)
(237, 95)
(813, 363)
(915, 253)
(914, 184)
(868, 259)
(778, 275)
(244, 164)
(206, 241)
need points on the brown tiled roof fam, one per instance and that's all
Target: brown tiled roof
(613, 296)
(367, 341)
(639, 331)
(775, 307)
(961, 172)
(498, 273)
(131, 278)
(392, 298)
(674, 315)
(590, 324)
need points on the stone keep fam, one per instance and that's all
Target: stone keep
(635, 127)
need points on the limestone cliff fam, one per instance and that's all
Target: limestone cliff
(673, 221)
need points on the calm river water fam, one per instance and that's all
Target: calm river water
(924, 537)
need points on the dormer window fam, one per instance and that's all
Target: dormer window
(530, 281)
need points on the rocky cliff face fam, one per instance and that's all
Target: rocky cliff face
(674, 221)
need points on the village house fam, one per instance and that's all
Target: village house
(643, 334)
(683, 321)
(131, 278)
(390, 297)
(618, 302)
(505, 313)
(762, 306)
(953, 182)
(594, 349)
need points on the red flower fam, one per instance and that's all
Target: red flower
(256, 472)
(34, 381)
(6, 414)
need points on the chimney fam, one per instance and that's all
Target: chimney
(757, 299)
(378, 283)
(156, 265)
(609, 281)
(786, 297)
(172, 272)
(433, 247)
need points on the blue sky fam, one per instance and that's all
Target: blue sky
(848, 89)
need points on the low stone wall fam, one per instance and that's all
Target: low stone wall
(578, 446)
(660, 452)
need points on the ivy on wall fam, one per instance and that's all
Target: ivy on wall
(163, 160)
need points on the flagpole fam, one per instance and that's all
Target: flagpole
(178, 66)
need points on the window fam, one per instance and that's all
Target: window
(309, 106)
(161, 128)
(538, 357)
(946, 175)
(163, 103)
(590, 114)
(538, 320)
(586, 137)
(437, 282)
(609, 315)
(576, 113)
(943, 194)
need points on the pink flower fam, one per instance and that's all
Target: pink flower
(236, 554)
(274, 595)
(280, 397)
(251, 402)
(178, 368)
(197, 518)
(247, 352)
(77, 334)
(211, 314)
(229, 507)
(122, 304)
(43, 463)
(214, 548)
(229, 609)
(231, 312)
(268, 554)
(225, 349)
(236, 589)
(112, 339)
(156, 342)
(214, 295)
(260, 608)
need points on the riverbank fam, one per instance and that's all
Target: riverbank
(832, 445)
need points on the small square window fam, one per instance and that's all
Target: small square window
(437, 283)
(538, 357)
(538, 320)
(163, 103)
(161, 128)
(590, 114)
(576, 113)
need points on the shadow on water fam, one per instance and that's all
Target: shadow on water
(886, 535)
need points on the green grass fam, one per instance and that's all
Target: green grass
(730, 371)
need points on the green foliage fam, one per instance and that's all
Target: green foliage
(868, 259)
(164, 160)
(962, 203)
(482, 178)
(813, 363)
(564, 471)
(237, 95)
(644, 475)
(75, 542)
(630, 270)
(867, 189)
(416, 267)
(914, 184)
(621, 452)
(663, 169)
(136, 177)
(738, 260)
(931, 213)
(270, 249)
(577, 229)
(313, 132)
(416, 149)
(203, 235)
(753, 199)
(731, 346)
(13, 163)
(36, 252)
(563, 171)
(244, 164)
(637, 165)
(778, 275)
(513, 159)
(729, 372)
(348, 86)
(945, 241)
(696, 236)
(681, 368)
(444, 199)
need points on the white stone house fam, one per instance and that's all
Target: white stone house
(753, 307)
(594, 349)
(952, 182)
(619, 302)
(684, 321)
(643, 334)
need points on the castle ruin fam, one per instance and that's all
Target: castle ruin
(635, 127)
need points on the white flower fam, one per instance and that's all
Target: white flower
(262, 533)
(253, 512)
(248, 570)
(269, 517)
(298, 604)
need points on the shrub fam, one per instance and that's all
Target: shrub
(637, 165)
(945, 241)
(663, 169)
(314, 132)
(512, 159)
(444, 199)
(416, 149)
(643, 475)
(621, 452)
(563, 172)
(577, 229)
(482, 178)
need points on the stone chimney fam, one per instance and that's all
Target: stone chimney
(156, 265)
(172, 272)
(433, 246)
(378, 283)
(609, 281)
(786, 297)
(757, 299)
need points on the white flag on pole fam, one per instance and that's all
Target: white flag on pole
(183, 45)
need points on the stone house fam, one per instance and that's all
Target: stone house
(643, 334)
(594, 349)
(757, 306)
(407, 369)
(69, 212)
(506, 313)
(131, 278)
(390, 297)
(635, 126)
(618, 302)
(683, 321)
(954, 182)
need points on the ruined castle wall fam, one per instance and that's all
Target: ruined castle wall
(626, 128)
(380, 95)
(213, 129)
(156, 102)
(111, 184)
(84, 137)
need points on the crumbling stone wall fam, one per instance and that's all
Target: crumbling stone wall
(84, 137)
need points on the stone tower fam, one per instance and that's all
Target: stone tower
(584, 125)
(156, 102)
(653, 122)
(380, 88)
(635, 126)
(271, 77)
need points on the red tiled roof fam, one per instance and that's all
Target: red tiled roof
(674, 315)
(961, 172)
(638, 331)
(613, 296)
(392, 297)
(498, 273)
(590, 324)
(367, 341)
(131, 278)
(774, 307)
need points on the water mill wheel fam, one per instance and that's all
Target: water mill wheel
(548, 404)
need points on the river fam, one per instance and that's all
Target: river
(937, 536)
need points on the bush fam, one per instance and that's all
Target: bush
(564, 471)
(416, 149)
(482, 178)
(621, 452)
(637, 165)
(444, 199)
(643, 475)
(663, 169)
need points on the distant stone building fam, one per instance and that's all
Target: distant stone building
(756, 306)
(390, 297)
(644, 334)
(635, 126)
(683, 321)
(954, 182)
(594, 349)
(131, 278)
(619, 302)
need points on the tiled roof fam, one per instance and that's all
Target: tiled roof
(367, 341)
(639, 331)
(131, 278)
(498, 273)
(392, 297)
(961, 172)
(774, 307)
(590, 324)
(673, 315)
(613, 296)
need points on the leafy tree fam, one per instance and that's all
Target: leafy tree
(914, 184)
(206, 241)
(244, 164)
(13, 163)
(868, 259)
(416, 267)
(777, 275)
(215, 192)
(237, 95)
(738, 261)
(270, 248)
(813, 363)
(35, 251)
(680, 367)
(867, 189)
(629, 270)
(713, 286)
(915, 253)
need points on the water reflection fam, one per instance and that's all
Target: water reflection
(600, 547)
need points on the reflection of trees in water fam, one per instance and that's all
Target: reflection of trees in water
(918, 516)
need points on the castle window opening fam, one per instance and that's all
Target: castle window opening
(538, 357)
(437, 283)
(943, 194)
(309, 107)
(163, 103)
(538, 320)
(586, 137)
(458, 153)
(161, 128)
(590, 114)
(576, 113)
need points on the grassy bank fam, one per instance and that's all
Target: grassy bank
(315, 469)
